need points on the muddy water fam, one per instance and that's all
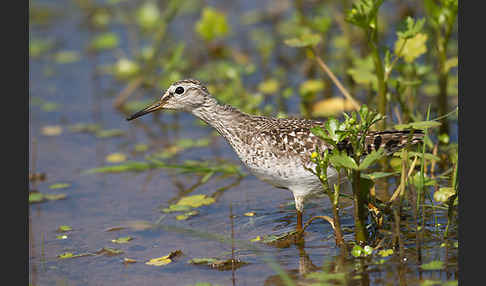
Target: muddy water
(97, 202)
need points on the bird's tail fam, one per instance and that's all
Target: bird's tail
(391, 141)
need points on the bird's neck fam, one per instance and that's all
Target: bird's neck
(224, 118)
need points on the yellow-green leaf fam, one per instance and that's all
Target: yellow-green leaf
(331, 106)
(51, 130)
(304, 40)
(212, 25)
(116, 158)
(164, 260)
(125, 239)
(195, 201)
(311, 86)
(443, 194)
(450, 63)
(269, 86)
(64, 228)
(413, 47)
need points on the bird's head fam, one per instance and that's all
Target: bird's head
(187, 95)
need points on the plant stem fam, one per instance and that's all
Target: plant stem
(361, 236)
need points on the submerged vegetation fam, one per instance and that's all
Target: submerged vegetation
(361, 66)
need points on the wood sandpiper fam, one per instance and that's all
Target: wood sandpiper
(275, 150)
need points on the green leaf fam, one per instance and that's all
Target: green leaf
(120, 240)
(126, 68)
(363, 71)
(212, 24)
(357, 251)
(148, 15)
(106, 41)
(410, 28)
(64, 228)
(371, 158)
(66, 57)
(341, 160)
(433, 265)
(304, 40)
(363, 13)
(36, 197)
(109, 251)
(269, 86)
(420, 125)
(164, 260)
(443, 194)
(385, 252)
(378, 175)
(450, 63)
(187, 215)
(59, 186)
(411, 48)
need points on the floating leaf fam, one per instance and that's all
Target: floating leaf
(124, 239)
(116, 158)
(433, 265)
(196, 201)
(64, 228)
(37, 47)
(36, 197)
(50, 106)
(257, 238)
(412, 48)
(385, 252)
(212, 24)
(219, 264)
(109, 133)
(55, 197)
(139, 225)
(443, 194)
(71, 255)
(85, 127)
(66, 57)
(187, 215)
(51, 130)
(161, 261)
(127, 260)
(59, 186)
(331, 106)
(140, 147)
(359, 251)
(176, 208)
(109, 251)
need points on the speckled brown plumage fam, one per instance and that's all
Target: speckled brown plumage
(275, 150)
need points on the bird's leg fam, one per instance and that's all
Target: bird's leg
(299, 228)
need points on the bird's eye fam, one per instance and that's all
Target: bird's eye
(179, 90)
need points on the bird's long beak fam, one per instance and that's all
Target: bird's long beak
(151, 108)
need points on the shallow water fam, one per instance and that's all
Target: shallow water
(96, 202)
